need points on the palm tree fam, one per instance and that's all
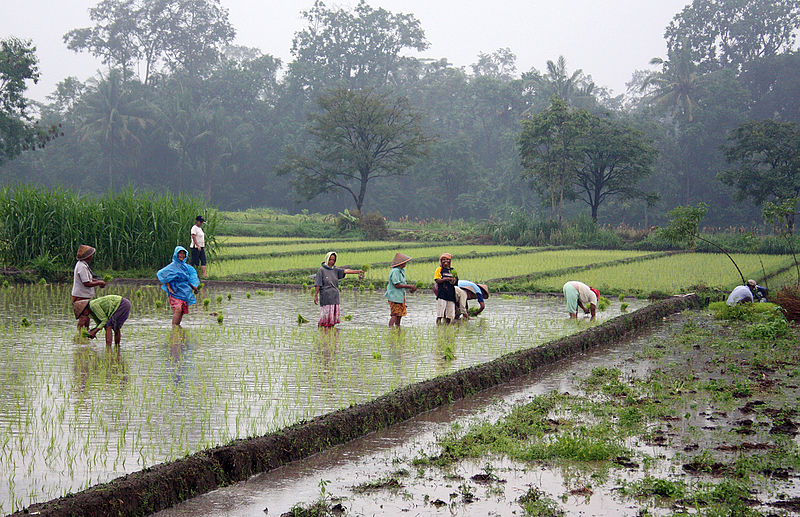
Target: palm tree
(111, 114)
(674, 88)
(576, 89)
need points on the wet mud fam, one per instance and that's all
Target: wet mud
(157, 488)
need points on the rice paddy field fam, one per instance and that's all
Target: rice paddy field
(74, 413)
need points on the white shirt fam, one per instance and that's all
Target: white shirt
(741, 294)
(82, 274)
(200, 236)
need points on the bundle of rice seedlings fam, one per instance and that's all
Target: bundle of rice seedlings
(789, 300)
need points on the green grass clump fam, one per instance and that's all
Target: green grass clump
(230, 296)
(301, 319)
(248, 295)
(159, 304)
(206, 301)
(219, 318)
(24, 322)
(624, 306)
(603, 303)
(219, 298)
(621, 297)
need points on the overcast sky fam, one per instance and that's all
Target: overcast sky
(607, 39)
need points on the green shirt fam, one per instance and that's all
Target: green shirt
(394, 294)
(101, 309)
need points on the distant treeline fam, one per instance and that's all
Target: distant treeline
(190, 113)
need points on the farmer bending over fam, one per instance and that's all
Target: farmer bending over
(577, 294)
(742, 293)
(466, 290)
(109, 312)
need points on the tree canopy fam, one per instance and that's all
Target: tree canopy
(358, 136)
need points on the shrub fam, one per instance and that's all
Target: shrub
(374, 226)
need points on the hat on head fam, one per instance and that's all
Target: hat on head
(84, 252)
(400, 259)
(328, 256)
(78, 307)
(751, 283)
(445, 255)
(200, 218)
(485, 290)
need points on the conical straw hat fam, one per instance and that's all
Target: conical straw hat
(79, 306)
(84, 252)
(400, 259)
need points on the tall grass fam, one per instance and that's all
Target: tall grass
(129, 229)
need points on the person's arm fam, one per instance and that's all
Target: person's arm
(353, 272)
(406, 286)
(483, 306)
(194, 237)
(90, 281)
(316, 295)
(593, 310)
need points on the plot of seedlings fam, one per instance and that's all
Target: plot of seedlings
(73, 413)
(700, 420)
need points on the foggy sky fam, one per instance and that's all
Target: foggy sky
(607, 39)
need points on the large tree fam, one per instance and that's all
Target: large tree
(616, 157)
(358, 136)
(766, 155)
(142, 34)
(18, 64)
(355, 48)
(730, 33)
(550, 150)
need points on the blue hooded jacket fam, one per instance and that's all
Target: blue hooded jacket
(180, 276)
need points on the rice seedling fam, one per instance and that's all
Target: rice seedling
(301, 319)
(603, 303)
(206, 302)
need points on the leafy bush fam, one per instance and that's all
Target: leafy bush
(374, 226)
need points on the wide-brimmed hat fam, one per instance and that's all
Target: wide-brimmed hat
(400, 259)
(482, 287)
(84, 252)
(78, 307)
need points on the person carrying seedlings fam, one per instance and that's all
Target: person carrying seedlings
(198, 245)
(577, 294)
(180, 281)
(109, 312)
(326, 290)
(742, 293)
(83, 280)
(445, 280)
(396, 289)
(466, 290)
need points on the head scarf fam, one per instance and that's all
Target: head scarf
(445, 255)
(328, 257)
(180, 276)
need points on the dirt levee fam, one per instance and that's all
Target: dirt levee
(164, 485)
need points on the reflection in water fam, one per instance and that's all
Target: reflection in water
(106, 370)
(179, 354)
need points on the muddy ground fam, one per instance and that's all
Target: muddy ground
(159, 487)
(698, 417)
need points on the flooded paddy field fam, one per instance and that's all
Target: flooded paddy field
(697, 417)
(73, 413)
